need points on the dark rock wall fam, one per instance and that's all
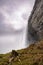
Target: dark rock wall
(35, 22)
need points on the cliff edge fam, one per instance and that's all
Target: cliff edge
(35, 22)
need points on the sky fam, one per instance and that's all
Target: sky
(14, 15)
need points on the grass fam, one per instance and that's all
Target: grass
(33, 55)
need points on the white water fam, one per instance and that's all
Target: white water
(16, 41)
(9, 42)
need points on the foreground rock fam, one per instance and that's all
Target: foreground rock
(33, 55)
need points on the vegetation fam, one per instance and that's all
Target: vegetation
(33, 55)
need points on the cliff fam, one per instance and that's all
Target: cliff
(33, 55)
(35, 22)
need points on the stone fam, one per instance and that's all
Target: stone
(35, 22)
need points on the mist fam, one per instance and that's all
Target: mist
(14, 15)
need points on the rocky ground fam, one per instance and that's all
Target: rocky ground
(33, 55)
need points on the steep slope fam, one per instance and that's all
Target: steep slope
(33, 55)
(35, 22)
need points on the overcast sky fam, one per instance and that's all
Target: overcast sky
(15, 13)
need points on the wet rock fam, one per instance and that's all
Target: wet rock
(35, 22)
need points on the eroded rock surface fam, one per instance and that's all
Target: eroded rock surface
(35, 22)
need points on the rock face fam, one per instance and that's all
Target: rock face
(35, 22)
(14, 54)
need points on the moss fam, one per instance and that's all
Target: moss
(29, 56)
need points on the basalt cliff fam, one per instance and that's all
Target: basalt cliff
(35, 22)
(32, 55)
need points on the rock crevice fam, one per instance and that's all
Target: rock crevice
(35, 22)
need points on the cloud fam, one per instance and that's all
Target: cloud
(15, 12)
(13, 20)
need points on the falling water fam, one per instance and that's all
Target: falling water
(13, 12)
(9, 42)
